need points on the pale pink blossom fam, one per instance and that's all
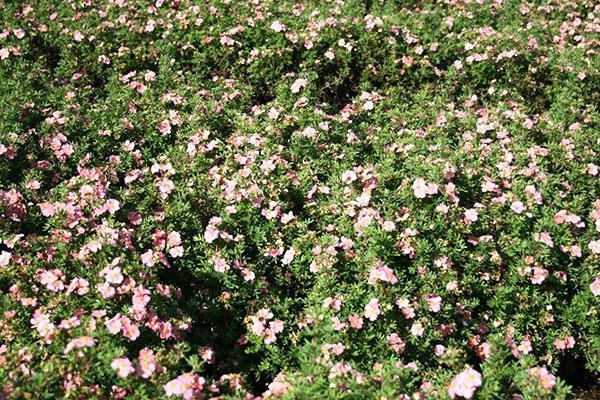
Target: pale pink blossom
(355, 321)
(123, 366)
(595, 286)
(186, 386)
(211, 234)
(288, 257)
(539, 275)
(594, 246)
(148, 258)
(417, 329)
(114, 276)
(164, 127)
(277, 26)
(372, 310)
(465, 384)
(220, 265)
(517, 207)
(5, 258)
(544, 237)
(471, 215)
(544, 377)
(434, 303)
(79, 343)
(298, 84)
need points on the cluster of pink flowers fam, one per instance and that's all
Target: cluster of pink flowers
(382, 273)
(162, 242)
(123, 324)
(279, 387)
(263, 325)
(423, 189)
(190, 167)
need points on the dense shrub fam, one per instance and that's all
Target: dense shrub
(319, 199)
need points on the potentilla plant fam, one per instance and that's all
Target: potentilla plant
(282, 199)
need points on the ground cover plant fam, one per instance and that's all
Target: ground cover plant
(333, 199)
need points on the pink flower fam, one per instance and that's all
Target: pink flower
(78, 36)
(517, 207)
(147, 363)
(348, 177)
(288, 257)
(279, 386)
(277, 26)
(164, 127)
(176, 252)
(220, 265)
(419, 187)
(396, 343)
(80, 342)
(298, 84)
(114, 276)
(471, 215)
(207, 354)
(52, 279)
(149, 76)
(434, 303)
(79, 285)
(288, 217)
(309, 132)
(114, 325)
(422, 189)
(539, 275)
(186, 386)
(131, 331)
(544, 377)
(569, 342)
(173, 239)
(594, 246)
(5, 258)
(525, 346)
(372, 310)
(417, 329)
(148, 258)
(166, 186)
(106, 290)
(273, 113)
(543, 237)
(439, 350)
(44, 326)
(276, 326)
(465, 384)
(211, 234)
(19, 33)
(442, 209)
(382, 273)
(113, 206)
(595, 286)
(388, 226)
(123, 366)
(355, 321)
(247, 274)
(47, 209)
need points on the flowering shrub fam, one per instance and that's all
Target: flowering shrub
(318, 199)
